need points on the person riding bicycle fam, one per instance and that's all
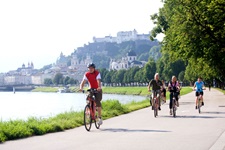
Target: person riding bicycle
(174, 89)
(156, 85)
(199, 84)
(94, 79)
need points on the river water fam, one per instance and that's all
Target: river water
(22, 105)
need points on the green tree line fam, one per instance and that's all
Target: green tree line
(59, 79)
(195, 33)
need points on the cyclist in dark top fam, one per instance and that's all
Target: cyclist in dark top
(156, 85)
(174, 88)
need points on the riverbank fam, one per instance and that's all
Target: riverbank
(17, 129)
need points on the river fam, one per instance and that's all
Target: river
(22, 105)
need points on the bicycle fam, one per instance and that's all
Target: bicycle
(155, 103)
(199, 100)
(174, 105)
(90, 111)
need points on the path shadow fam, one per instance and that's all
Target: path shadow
(212, 112)
(221, 106)
(131, 130)
(194, 117)
(186, 103)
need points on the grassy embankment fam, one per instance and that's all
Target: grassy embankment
(221, 90)
(11, 130)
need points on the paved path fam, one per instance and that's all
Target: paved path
(139, 130)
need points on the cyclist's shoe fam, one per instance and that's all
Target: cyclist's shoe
(170, 111)
(196, 107)
(159, 108)
(100, 122)
(202, 103)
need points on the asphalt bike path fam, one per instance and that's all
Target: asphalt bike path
(140, 130)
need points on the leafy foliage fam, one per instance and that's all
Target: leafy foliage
(195, 31)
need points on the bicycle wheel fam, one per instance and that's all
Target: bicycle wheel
(199, 106)
(174, 108)
(97, 120)
(87, 118)
(155, 109)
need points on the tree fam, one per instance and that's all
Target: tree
(58, 79)
(193, 30)
(66, 80)
(149, 70)
(48, 81)
(72, 81)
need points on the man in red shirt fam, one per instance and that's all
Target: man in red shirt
(94, 79)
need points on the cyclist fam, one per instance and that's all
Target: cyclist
(174, 88)
(156, 85)
(94, 79)
(199, 84)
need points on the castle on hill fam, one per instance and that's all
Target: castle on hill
(123, 36)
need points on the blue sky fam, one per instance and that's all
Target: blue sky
(40, 30)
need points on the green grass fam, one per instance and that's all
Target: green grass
(221, 90)
(17, 129)
(126, 90)
(45, 89)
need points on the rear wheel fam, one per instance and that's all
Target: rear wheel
(87, 118)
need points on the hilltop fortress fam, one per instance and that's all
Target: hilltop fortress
(123, 36)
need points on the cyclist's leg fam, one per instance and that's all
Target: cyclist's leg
(159, 97)
(98, 98)
(196, 100)
(171, 99)
(202, 97)
(176, 97)
(171, 103)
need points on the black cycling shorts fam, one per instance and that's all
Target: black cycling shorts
(198, 93)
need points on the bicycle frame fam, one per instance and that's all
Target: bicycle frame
(174, 105)
(90, 114)
(92, 107)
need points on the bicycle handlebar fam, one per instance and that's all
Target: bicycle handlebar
(91, 90)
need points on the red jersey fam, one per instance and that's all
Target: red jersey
(92, 78)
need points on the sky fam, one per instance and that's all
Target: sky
(39, 30)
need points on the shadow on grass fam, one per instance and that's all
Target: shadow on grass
(130, 130)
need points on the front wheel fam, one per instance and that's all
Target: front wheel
(199, 106)
(87, 118)
(155, 108)
(174, 108)
(97, 120)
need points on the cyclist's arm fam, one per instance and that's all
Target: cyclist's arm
(194, 87)
(83, 82)
(99, 81)
(149, 86)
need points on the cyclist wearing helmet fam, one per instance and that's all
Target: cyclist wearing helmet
(93, 77)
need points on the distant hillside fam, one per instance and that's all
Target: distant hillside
(102, 52)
